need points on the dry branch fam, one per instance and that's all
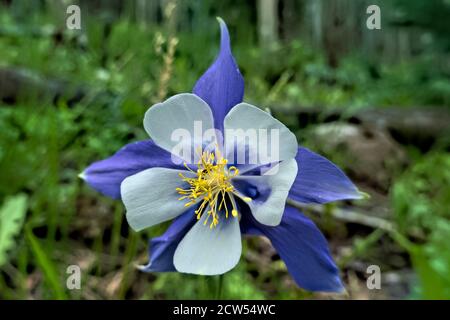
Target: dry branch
(345, 215)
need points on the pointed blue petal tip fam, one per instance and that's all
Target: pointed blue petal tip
(222, 85)
(225, 46)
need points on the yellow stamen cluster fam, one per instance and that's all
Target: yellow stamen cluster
(212, 187)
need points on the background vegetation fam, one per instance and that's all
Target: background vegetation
(374, 101)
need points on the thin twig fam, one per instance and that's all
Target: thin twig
(345, 215)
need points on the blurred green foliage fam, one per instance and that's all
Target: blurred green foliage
(421, 200)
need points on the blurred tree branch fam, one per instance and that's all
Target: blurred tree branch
(410, 125)
(418, 126)
(344, 215)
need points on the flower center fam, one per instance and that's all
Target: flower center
(212, 185)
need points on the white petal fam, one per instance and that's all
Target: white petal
(209, 251)
(150, 197)
(249, 129)
(171, 125)
(270, 210)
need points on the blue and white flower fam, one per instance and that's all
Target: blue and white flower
(216, 199)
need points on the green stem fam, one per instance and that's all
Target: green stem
(219, 287)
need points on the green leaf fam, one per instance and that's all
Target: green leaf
(433, 285)
(12, 215)
(46, 265)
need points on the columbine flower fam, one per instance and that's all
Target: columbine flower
(216, 200)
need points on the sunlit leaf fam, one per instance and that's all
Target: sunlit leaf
(12, 214)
